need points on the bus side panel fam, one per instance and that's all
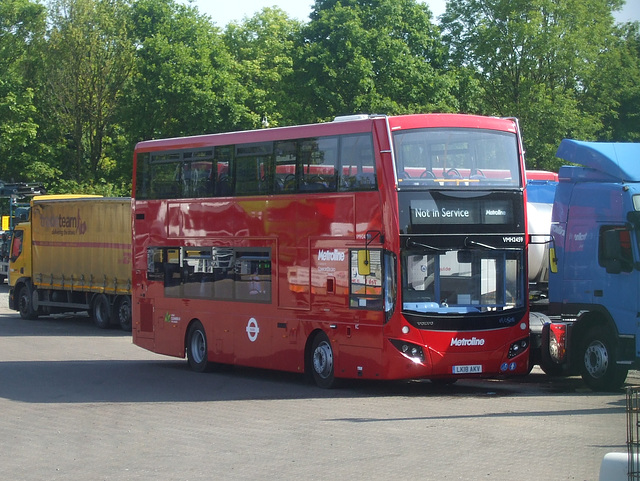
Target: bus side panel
(358, 362)
(285, 220)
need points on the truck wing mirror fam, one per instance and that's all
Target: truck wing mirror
(553, 260)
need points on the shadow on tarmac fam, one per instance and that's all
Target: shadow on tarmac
(170, 380)
(69, 324)
(76, 325)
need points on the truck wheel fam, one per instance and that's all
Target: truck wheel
(101, 312)
(322, 361)
(599, 355)
(123, 312)
(25, 304)
(197, 350)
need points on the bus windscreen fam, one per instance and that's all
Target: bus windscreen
(459, 157)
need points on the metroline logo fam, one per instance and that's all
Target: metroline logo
(474, 341)
(334, 255)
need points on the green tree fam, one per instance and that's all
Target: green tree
(185, 79)
(613, 91)
(375, 56)
(89, 57)
(265, 47)
(22, 24)
(533, 59)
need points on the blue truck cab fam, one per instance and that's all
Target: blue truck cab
(594, 279)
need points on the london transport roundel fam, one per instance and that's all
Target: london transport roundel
(252, 329)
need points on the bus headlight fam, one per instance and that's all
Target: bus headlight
(517, 348)
(409, 350)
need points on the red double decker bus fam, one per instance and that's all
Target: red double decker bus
(369, 247)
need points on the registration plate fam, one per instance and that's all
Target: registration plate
(468, 369)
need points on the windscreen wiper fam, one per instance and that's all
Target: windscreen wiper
(412, 243)
(471, 243)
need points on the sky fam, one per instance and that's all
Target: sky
(225, 11)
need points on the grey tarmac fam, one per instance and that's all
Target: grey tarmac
(79, 403)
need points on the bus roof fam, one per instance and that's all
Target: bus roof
(357, 125)
(453, 121)
(619, 159)
(341, 125)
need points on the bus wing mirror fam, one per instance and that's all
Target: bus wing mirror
(364, 263)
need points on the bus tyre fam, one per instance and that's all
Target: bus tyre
(599, 355)
(322, 361)
(25, 303)
(101, 312)
(123, 312)
(197, 351)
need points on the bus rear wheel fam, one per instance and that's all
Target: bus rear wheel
(197, 350)
(322, 361)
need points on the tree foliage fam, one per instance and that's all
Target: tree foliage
(265, 47)
(533, 59)
(184, 81)
(374, 56)
(612, 92)
(88, 59)
(81, 81)
(22, 26)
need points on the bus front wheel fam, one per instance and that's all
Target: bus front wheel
(322, 361)
(197, 348)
